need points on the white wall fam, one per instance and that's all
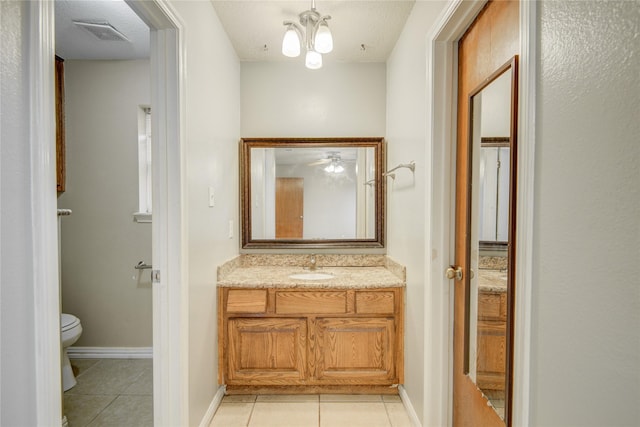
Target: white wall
(285, 99)
(17, 310)
(496, 107)
(586, 292)
(212, 133)
(329, 203)
(100, 241)
(407, 93)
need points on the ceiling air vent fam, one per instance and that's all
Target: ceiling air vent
(102, 30)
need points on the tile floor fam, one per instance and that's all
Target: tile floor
(111, 392)
(119, 392)
(325, 410)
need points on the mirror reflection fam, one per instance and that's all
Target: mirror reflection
(303, 192)
(490, 239)
(312, 193)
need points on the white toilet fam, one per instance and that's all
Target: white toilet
(70, 332)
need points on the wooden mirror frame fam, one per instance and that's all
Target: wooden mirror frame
(511, 65)
(246, 144)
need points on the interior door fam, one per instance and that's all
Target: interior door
(289, 208)
(483, 267)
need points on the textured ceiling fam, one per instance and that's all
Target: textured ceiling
(74, 42)
(254, 28)
(376, 24)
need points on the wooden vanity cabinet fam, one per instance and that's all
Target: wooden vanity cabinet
(276, 339)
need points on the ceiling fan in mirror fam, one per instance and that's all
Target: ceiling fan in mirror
(333, 161)
(331, 157)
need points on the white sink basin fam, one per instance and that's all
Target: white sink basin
(311, 276)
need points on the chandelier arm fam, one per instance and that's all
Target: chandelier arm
(310, 19)
(295, 26)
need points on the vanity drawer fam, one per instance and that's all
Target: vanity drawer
(374, 302)
(247, 301)
(311, 302)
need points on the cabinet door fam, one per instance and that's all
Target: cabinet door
(266, 351)
(492, 341)
(354, 351)
(492, 344)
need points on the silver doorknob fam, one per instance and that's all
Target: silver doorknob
(454, 272)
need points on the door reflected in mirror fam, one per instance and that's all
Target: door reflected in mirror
(490, 284)
(312, 192)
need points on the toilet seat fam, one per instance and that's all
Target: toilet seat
(68, 321)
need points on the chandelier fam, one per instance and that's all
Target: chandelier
(317, 37)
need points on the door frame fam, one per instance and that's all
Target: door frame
(441, 116)
(170, 327)
(168, 228)
(42, 141)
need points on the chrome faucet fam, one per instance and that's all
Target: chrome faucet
(312, 262)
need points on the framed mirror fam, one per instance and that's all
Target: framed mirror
(491, 240)
(312, 192)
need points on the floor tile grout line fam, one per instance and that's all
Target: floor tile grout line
(98, 365)
(386, 410)
(101, 411)
(253, 406)
(90, 368)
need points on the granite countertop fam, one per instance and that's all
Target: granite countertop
(244, 273)
(492, 280)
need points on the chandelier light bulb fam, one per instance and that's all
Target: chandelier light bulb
(323, 42)
(291, 43)
(313, 31)
(313, 60)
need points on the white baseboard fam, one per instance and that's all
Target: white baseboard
(415, 421)
(213, 407)
(110, 352)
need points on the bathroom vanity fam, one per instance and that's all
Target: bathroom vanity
(284, 328)
(300, 323)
